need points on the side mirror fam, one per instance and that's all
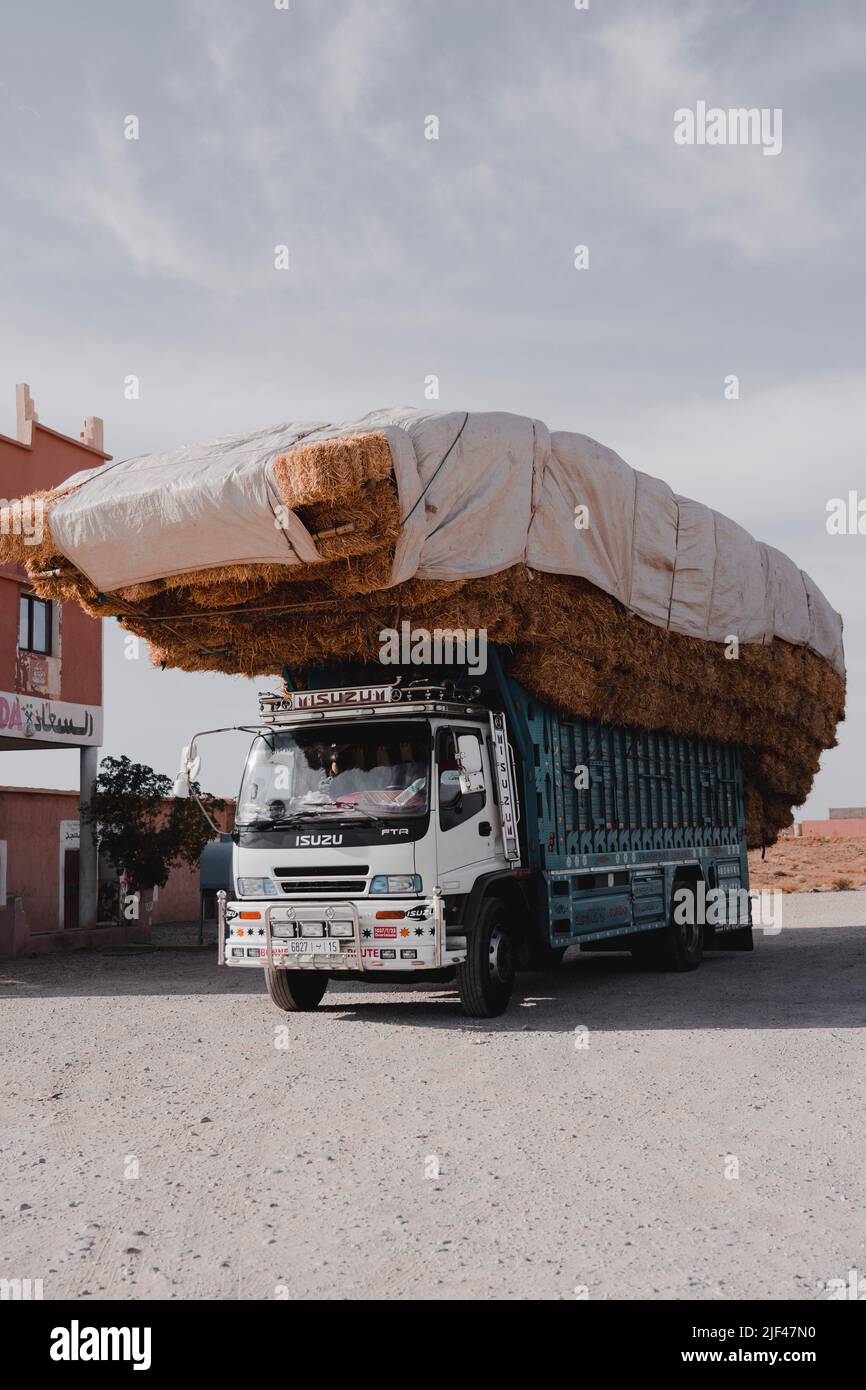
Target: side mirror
(190, 762)
(180, 787)
(469, 762)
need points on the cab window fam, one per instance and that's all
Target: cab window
(455, 806)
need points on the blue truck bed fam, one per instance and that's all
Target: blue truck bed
(611, 815)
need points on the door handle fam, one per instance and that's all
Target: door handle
(484, 827)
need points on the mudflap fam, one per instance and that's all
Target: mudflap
(739, 940)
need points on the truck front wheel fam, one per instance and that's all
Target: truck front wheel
(296, 991)
(486, 978)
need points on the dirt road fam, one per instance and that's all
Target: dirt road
(166, 1133)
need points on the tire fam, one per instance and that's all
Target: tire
(296, 991)
(486, 978)
(678, 947)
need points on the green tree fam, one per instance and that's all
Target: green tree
(142, 828)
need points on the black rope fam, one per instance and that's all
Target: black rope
(202, 613)
(439, 468)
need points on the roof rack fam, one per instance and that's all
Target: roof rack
(274, 708)
(446, 690)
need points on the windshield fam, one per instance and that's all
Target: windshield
(356, 771)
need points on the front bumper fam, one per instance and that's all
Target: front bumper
(268, 935)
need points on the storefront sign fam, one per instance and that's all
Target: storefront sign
(49, 721)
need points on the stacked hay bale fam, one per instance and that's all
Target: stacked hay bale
(565, 640)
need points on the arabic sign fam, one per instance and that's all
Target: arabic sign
(49, 721)
(70, 835)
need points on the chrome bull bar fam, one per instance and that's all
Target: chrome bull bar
(316, 909)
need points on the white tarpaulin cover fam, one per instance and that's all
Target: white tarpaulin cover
(505, 494)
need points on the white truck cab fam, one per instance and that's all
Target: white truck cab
(366, 817)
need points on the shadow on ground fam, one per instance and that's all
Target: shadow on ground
(804, 978)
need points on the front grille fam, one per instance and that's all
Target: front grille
(323, 885)
(316, 870)
(335, 879)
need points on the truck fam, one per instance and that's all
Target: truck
(445, 826)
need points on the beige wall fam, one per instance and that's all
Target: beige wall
(838, 829)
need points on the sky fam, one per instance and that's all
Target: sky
(304, 124)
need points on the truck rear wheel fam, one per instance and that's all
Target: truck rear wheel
(679, 946)
(296, 991)
(486, 978)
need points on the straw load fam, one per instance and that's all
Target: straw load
(612, 597)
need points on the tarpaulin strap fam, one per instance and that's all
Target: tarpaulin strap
(439, 468)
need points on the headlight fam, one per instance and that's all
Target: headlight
(395, 883)
(257, 888)
(341, 929)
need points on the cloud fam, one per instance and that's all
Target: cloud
(107, 192)
(17, 105)
(609, 130)
(357, 53)
(773, 457)
(220, 177)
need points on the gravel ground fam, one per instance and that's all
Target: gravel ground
(805, 863)
(159, 1140)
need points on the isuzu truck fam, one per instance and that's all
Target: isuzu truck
(441, 827)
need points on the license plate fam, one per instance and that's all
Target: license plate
(312, 945)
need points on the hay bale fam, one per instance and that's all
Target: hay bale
(332, 470)
(34, 553)
(569, 643)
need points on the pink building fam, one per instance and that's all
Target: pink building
(42, 830)
(836, 828)
(50, 697)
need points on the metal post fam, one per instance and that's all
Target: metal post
(439, 926)
(269, 939)
(221, 926)
(88, 889)
(356, 928)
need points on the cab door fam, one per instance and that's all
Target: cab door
(468, 840)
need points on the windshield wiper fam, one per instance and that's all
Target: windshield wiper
(270, 824)
(293, 818)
